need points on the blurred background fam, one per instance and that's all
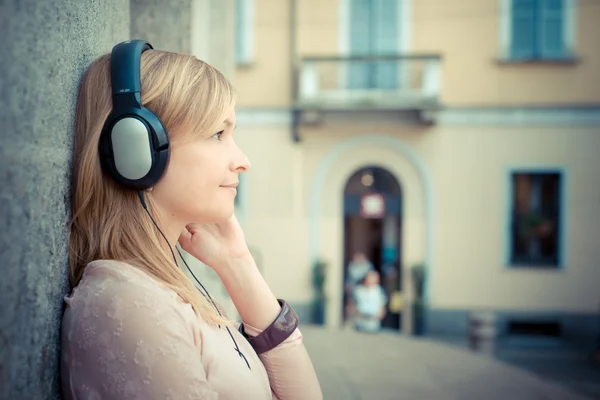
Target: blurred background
(454, 144)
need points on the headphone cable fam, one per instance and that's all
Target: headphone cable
(207, 295)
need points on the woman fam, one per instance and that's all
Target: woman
(135, 327)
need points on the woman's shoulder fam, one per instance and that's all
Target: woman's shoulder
(112, 292)
(116, 307)
(114, 272)
(110, 281)
(114, 269)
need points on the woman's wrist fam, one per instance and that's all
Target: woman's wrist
(232, 264)
(252, 297)
(280, 329)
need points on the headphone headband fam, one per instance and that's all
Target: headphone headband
(125, 66)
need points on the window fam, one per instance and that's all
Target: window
(540, 29)
(535, 219)
(244, 32)
(374, 26)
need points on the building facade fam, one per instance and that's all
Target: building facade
(483, 117)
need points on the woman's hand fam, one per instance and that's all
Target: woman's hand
(223, 248)
(216, 245)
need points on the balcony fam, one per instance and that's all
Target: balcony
(408, 84)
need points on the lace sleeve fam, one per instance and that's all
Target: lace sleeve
(128, 342)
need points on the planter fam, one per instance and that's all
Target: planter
(418, 309)
(319, 274)
(318, 310)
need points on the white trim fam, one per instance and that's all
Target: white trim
(570, 26)
(343, 146)
(520, 117)
(247, 56)
(344, 27)
(505, 26)
(524, 116)
(405, 39)
(405, 17)
(343, 40)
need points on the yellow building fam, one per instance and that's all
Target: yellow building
(474, 124)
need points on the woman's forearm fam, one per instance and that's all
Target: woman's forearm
(291, 373)
(253, 299)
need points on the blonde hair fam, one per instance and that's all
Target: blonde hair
(108, 222)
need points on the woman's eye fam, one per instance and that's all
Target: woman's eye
(218, 135)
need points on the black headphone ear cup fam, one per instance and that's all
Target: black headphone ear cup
(135, 149)
(133, 146)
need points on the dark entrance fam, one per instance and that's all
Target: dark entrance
(372, 225)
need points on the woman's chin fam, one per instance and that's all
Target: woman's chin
(218, 216)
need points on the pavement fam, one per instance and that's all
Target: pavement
(390, 366)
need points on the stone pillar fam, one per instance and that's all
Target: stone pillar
(46, 46)
(213, 33)
(165, 24)
(204, 28)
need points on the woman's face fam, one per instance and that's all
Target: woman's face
(200, 182)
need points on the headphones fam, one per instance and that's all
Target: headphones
(133, 146)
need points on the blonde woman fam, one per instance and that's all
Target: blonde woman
(156, 165)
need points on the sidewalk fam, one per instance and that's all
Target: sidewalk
(388, 366)
(564, 364)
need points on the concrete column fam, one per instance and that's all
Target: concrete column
(46, 46)
(205, 28)
(165, 24)
(213, 33)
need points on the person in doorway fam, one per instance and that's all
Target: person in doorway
(156, 167)
(357, 270)
(370, 304)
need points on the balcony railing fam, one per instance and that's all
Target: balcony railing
(372, 82)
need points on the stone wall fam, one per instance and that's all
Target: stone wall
(46, 46)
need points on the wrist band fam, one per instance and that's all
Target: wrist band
(284, 325)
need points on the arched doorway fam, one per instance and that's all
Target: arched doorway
(372, 226)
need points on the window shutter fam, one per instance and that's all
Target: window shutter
(359, 42)
(385, 42)
(523, 32)
(552, 29)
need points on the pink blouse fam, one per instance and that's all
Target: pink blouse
(126, 337)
